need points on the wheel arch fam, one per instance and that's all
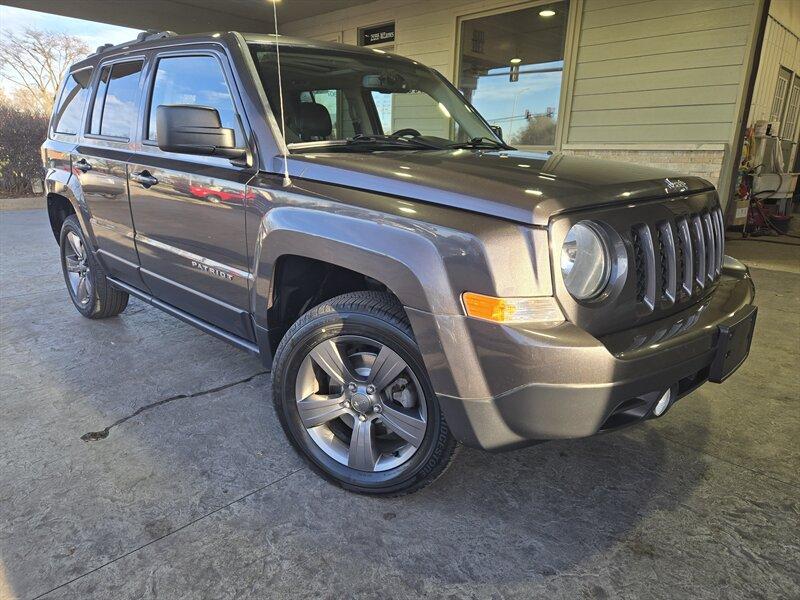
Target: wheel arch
(59, 208)
(292, 240)
(64, 198)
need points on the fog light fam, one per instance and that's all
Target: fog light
(662, 403)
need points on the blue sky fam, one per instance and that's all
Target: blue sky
(15, 20)
(95, 34)
(503, 102)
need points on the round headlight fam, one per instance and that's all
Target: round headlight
(585, 261)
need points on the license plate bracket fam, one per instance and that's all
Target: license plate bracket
(733, 345)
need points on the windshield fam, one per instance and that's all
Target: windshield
(351, 102)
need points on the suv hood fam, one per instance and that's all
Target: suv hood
(520, 186)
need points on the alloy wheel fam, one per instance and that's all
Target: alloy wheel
(78, 273)
(361, 403)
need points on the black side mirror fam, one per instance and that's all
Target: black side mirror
(195, 130)
(498, 131)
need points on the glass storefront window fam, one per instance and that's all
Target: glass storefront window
(511, 68)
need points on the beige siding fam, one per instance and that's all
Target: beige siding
(652, 72)
(425, 29)
(655, 82)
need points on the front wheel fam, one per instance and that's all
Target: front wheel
(353, 396)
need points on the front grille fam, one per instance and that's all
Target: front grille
(678, 257)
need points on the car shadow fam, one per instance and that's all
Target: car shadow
(546, 509)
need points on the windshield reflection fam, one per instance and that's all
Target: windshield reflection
(351, 101)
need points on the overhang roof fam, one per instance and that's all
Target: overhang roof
(187, 16)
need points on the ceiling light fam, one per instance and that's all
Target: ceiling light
(547, 12)
(515, 61)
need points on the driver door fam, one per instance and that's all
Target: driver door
(189, 211)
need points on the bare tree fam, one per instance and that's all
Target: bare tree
(35, 62)
(540, 131)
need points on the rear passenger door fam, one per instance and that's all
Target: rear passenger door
(189, 211)
(100, 162)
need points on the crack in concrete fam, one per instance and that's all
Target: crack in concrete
(177, 529)
(753, 470)
(93, 436)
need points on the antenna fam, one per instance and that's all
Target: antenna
(286, 181)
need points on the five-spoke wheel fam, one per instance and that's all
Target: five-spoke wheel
(353, 395)
(361, 403)
(90, 291)
(78, 273)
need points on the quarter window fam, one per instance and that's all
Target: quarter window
(195, 80)
(114, 107)
(68, 112)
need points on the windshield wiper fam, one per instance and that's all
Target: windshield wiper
(481, 142)
(364, 138)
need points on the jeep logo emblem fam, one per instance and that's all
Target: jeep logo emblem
(675, 186)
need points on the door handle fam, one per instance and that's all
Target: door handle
(144, 178)
(83, 166)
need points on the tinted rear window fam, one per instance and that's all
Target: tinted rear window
(69, 110)
(114, 109)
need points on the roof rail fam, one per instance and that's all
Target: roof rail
(144, 36)
(154, 34)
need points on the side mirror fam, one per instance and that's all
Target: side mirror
(498, 131)
(195, 130)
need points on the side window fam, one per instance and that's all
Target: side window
(114, 108)
(197, 80)
(99, 99)
(69, 110)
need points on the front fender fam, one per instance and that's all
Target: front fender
(402, 256)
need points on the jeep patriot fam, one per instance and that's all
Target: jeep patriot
(411, 280)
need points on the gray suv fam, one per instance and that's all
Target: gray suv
(410, 279)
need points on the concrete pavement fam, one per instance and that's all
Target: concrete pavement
(195, 493)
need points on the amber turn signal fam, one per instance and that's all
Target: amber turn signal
(512, 310)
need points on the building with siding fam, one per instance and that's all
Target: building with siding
(669, 83)
(651, 82)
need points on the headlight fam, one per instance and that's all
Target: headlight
(585, 261)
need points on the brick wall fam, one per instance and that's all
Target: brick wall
(701, 163)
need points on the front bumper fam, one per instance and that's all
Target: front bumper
(502, 387)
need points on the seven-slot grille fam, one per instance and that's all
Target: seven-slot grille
(678, 257)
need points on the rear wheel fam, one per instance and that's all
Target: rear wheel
(90, 291)
(353, 395)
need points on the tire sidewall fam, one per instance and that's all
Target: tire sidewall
(287, 365)
(71, 224)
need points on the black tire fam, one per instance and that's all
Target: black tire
(380, 317)
(103, 300)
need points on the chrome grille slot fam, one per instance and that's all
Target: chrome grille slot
(687, 255)
(644, 256)
(668, 262)
(719, 230)
(699, 241)
(711, 247)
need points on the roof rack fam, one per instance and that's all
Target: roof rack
(144, 36)
(154, 34)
